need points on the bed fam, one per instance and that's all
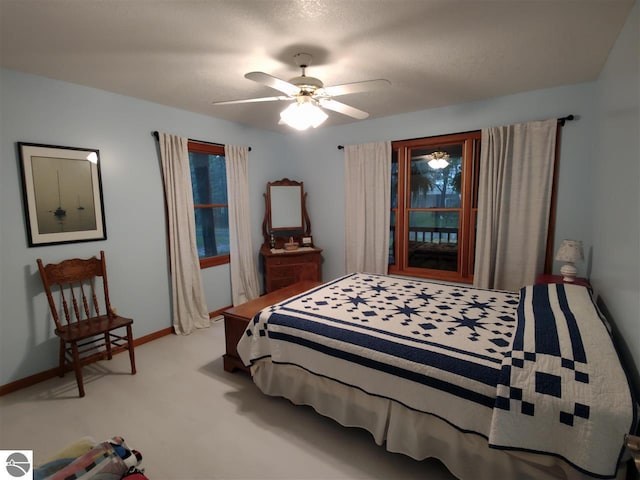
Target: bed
(494, 384)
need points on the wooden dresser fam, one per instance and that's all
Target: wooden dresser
(237, 318)
(285, 268)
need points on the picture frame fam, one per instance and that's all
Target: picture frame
(62, 194)
(307, 241)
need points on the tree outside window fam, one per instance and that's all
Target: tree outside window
(209, 184)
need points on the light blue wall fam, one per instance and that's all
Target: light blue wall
(616, 200)
(39, 110)
(36, 109)
(323, 166)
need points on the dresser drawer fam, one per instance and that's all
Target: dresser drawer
(278, 283)
(282, 269)
(287, 260)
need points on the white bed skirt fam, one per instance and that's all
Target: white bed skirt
(406, 431)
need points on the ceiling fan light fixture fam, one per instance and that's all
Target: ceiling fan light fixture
(438, 160)
(303, 113)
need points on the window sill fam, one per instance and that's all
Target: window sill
(440, 276)
(214, 261)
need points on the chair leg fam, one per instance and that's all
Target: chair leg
(61, 357)
(78, 368)
(107, 343)
(132, 357)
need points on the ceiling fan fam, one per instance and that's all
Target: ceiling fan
(309, 95)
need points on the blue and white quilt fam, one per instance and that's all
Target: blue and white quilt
(562, 383)
(446, 350)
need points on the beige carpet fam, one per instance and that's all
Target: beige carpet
(192, 420)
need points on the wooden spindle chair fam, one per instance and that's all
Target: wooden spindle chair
(86, 332)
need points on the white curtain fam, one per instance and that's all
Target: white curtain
(514, 198)
(245, 285)
(367, 207)
(189, 304)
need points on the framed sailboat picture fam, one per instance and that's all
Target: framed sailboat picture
(62, 192)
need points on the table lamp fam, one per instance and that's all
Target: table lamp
(570, 251)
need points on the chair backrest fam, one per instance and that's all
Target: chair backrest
(74, 281)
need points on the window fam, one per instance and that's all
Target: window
(209, 183)
(434, 207)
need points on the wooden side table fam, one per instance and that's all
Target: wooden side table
(237, 318)
(545, 278)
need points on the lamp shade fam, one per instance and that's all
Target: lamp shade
(438, 160)
(302, 114)
(570, 251)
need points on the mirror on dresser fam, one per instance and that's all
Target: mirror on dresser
(285, 214)
(288, 253)
(285, 205)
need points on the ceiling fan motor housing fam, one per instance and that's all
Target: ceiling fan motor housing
(307, 84)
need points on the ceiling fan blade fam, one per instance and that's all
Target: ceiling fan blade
(356, 87)
(273, 82)
(339, 107)
(252, 100)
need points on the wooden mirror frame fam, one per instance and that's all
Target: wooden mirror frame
(282, 234)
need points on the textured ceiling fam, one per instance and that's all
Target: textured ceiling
(188, 53)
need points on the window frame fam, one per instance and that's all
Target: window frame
(210, 149)
(468, 207)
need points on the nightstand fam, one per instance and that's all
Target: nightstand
(544, 278)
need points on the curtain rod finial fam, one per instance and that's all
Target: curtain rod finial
(568, 118)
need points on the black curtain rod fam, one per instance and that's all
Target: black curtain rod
(157, 137)
(561, 122)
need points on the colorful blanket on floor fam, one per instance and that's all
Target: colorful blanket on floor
(86, 459)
